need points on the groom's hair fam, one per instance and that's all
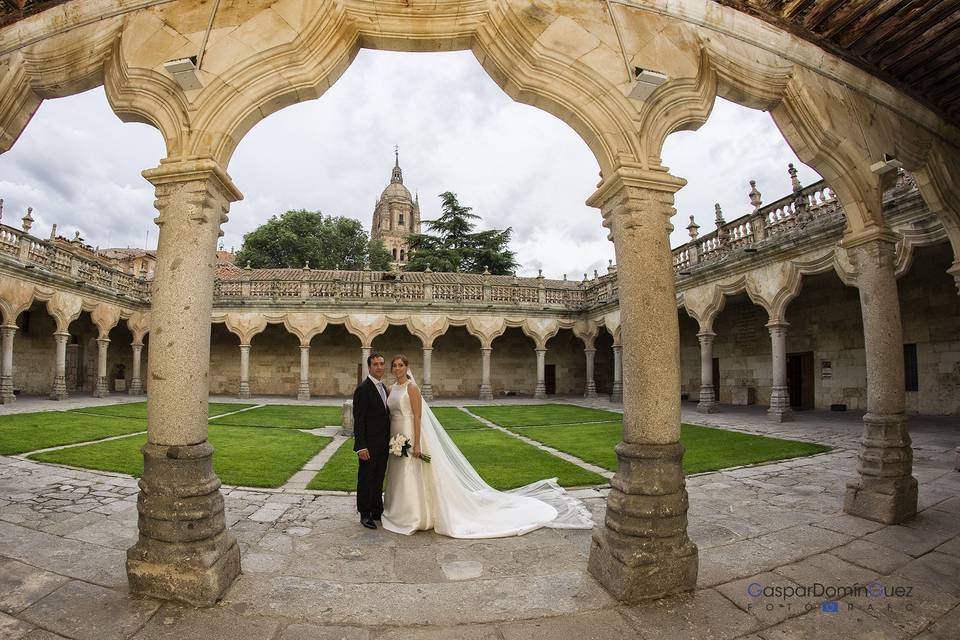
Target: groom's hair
(374, 355)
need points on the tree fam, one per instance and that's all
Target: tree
(300, 236)
(455, 247)
(378, 258)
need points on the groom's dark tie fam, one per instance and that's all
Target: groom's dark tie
(383, 393)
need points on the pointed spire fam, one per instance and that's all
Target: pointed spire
(397, 175)
(53, 233)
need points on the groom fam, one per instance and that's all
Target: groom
(371, 437)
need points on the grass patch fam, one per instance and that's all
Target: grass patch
(243, 456)
(504, 462)
(706, 449)
(453, 419)
(340, 472)
(31, 431)
(285, 417)
(542, 414)
(139, 409)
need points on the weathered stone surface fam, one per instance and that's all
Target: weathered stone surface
(883, 560)
(590, 626)
(317, 632)
(172, 622)
(703, 615)
(89, 612)
(13, 629)
(21, 585)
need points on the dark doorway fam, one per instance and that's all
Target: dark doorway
(800, 380)
(550, 378)
(716, 379)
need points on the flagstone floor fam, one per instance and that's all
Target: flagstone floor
(310, 570)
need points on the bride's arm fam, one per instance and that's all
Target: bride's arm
(415, 403)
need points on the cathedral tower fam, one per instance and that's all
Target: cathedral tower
(396, 216)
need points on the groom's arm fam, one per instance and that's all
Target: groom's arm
(359, 420)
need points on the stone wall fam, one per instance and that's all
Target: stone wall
(743, 348)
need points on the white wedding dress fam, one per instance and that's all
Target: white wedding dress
(448, 496)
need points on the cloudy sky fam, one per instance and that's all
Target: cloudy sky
(78, 166)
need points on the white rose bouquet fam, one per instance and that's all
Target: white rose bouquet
(400, 446)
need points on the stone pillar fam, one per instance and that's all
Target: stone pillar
(102, 388)
(184, 551)
(244, 392)
(779, 410)
(884, 489)
(59, 391)
(541, 390)
(486, 391)
(7, 332)
(426, 385)
(591, 388)
(642, 551)
(303, 388)
(364, 354)
(136, 381)
(616, 392)
(708, 394)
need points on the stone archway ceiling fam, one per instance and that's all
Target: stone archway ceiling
(912, 44)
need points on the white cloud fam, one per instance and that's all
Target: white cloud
(517, 166)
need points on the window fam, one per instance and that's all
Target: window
(394, 254)
(401, 255)
(910, 373)
(401, 220)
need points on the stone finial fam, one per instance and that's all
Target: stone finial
(564, 277)
(306, 265)
(1, 208)
(719, 215)
(486, 270)
(595, 274)
(248, 268)
(53, 233)
(540, 274)
(428, 269)
(28, 220)
(76, 236)
(693, 228)
(755, 196)
(584, 276)
(610, 267)
(794, 180)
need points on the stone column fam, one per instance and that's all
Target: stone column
(102, 388)
(591, 388)
(708, 395)
(642, 551)
(541, 389)
(364, 354)
(616, 392)
(779, 410)
(426, 385)
(303, 389)
(884, 489)
(244, 392)
(184, 551)
(7, 332)
(136, 381)
(59, 391)
(486, 391)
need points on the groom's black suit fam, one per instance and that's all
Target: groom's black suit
(371, 431)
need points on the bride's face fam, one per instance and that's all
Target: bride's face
(399, 369)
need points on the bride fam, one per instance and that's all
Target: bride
(446, 494)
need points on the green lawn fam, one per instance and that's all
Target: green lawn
(31, 431)
(542, 414)
(504, 462)
(453, 419)
(243, 456)
(284, 416)
(139, 409)
(706, 449)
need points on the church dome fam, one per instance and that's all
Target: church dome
(396, 189)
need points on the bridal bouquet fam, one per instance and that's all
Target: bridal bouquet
(400, 446)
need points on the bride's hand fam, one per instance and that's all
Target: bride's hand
(416, 451)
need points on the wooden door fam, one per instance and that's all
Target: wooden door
(550, 378)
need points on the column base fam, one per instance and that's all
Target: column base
(643, 551)
(184, 551)
(244, 392)
(885, 490)
(779, 415)
(591, 391)
(540, 393)
(616, 393)
(59, 391)
(708, 401)
(303, 391)
(6, 390)
(780, 410)
(136, 387)
(102, 390)
(486, 393)
(427, 392)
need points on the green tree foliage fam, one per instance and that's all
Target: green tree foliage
(378, 258)
(454, 246)
(301, 236)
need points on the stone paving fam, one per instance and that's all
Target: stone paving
(310, 570)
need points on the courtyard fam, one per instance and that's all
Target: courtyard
(310, 570)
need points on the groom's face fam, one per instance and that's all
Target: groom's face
(376, 368)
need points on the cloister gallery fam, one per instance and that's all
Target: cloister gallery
(842, 294)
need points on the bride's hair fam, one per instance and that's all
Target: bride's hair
(402, 358)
